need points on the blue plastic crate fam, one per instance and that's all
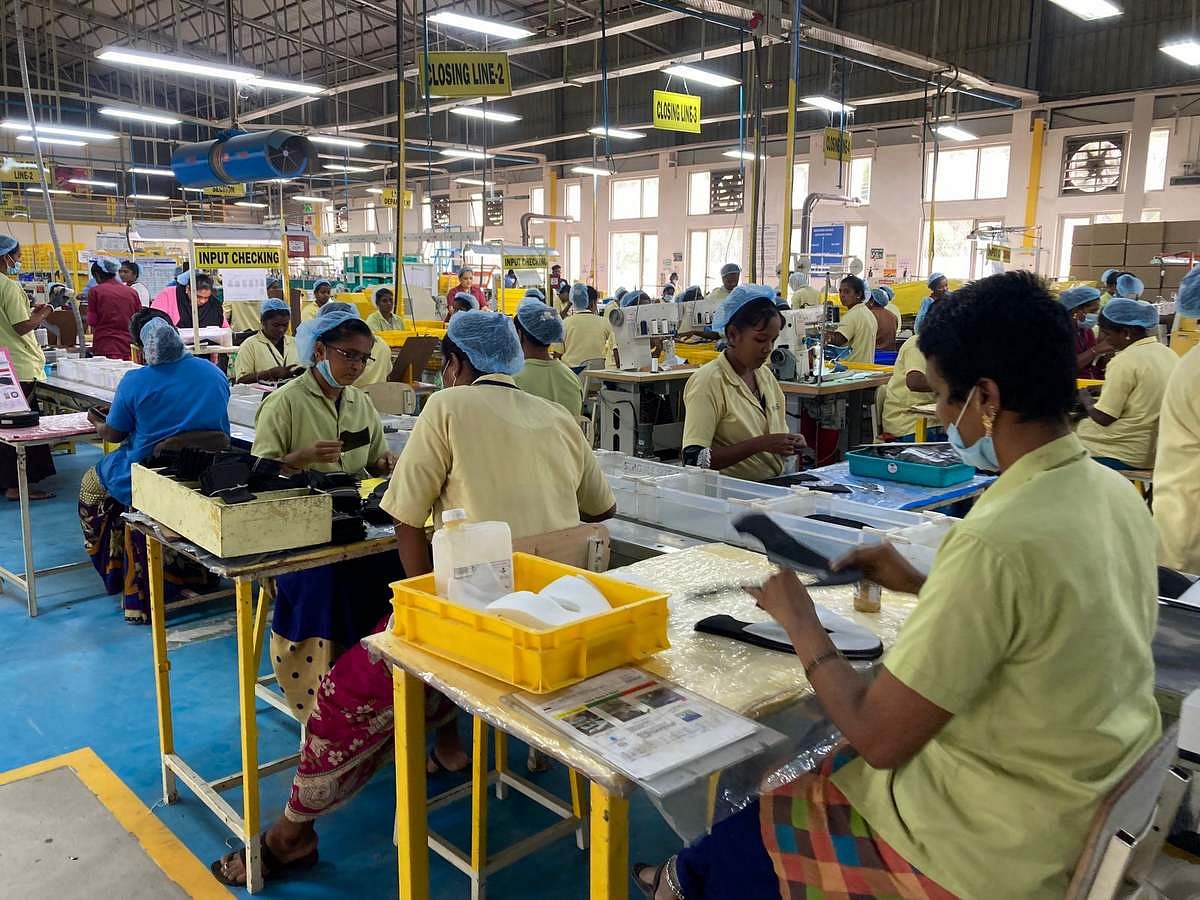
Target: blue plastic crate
(872, 466)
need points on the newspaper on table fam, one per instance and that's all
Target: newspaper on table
(640, 725)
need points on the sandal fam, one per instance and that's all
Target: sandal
(434, 767)
(35, 496)
(272, 867)
(650, 891)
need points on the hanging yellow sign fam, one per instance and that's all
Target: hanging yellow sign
(676, 112)
(20, 171)
(838, 144)
(225, 190)
(209, 258)
(389, 198)
(998, 253)
(465, 74)
(524, 261)
(110, 205)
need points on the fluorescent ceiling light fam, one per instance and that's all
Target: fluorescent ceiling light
(137, 115)
(474, 112)
(331, 168)
(623, 133)
(335, 141)
(703, 76)
(64, 130)
(1089, 10)
(180, 65)
(483, 26)
(1186, 51)
(91, 182)
(477, 182)
(589, 170)
(147, 197)
(954, 132)
(66, 142)
(287, 87)
(250, 204)
(38, 190)
(342, 157)
(142, 170)
(374, 190)
(304, 199)
(465, 153)
(193, 190)
(828, 103)
(741, 154)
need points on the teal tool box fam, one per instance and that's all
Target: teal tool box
(884, 461)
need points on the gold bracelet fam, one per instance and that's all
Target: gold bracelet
(820, 660)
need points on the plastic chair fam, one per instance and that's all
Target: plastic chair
(1131, 825)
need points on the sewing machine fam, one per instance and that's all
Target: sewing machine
(791, 357)
(636, 327)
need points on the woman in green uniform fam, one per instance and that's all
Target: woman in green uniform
(736, 417)
(270, 353)
(539, 326)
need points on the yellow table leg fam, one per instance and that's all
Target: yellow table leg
(412, 827)
(610, 846)
(479, 800)
(579, 806)
(260, 620)
(162, 666)
(501, 763)
(247, 676)
(920, 433)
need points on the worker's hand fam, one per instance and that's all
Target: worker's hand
(96, 417)
(386, 463)
(279, 373)
(785, 599)
(321, 452)
(1085, 398)
(41, 311)
(882, 564)
(781, 444)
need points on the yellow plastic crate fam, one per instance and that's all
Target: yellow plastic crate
(538, 661)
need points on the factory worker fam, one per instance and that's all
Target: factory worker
(907, 387)
(635, 298)
(668, 293)
(539, 326)
(384, 318)
(322, 291)
(320, 612)
(619, 293)
(731, 274)
(586, 335)
(17, 326)
(564, 297)
(1108, 285)
(466, 285)
(461, 302)
(692, 294)
(1023, 679)
(510, 280)
(350, 736)
(275, 288)
(536, 293)
(378, 366)
(173, 393)
(886, 322)
(1083, 303)
(129, 273)
(270, 353)
(802, 293)
(1177, 462)
(209, 308)
(1130, 287)
(1121, 428)
(857, 327)
(111, 304)
(939, 290)
(736, 417)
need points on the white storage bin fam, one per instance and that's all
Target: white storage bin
(701, 502)
(831, 541)
(243, 410)
(397, 440)
(812, 503)
(623, 472)
(919, 544)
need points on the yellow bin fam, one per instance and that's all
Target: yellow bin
(538, 661)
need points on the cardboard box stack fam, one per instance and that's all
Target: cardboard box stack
(1132, 247)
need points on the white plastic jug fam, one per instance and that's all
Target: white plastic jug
(472, 561)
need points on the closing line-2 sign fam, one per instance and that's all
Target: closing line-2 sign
(466, 74)
(239, 257)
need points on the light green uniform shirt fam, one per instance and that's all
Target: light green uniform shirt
(552, 380)
(1034, 631)
(27, 356)
(720, 292)
(378, 323)
(1177, 468)
(244, 315)
(503, 456)
(299, 414)
(380, 366)
(257, 354)
(897, 398)
(722, 411)
(858, 327)
(1134, 385)
(586, 336)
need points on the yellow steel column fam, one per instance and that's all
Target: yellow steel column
(162, 665)
(1035, 180)
(247, 677)
(610, 846)
(412, 828)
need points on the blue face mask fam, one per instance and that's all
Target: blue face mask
(982, 453)
(14, 268)
(326, 372)
(1091, 320)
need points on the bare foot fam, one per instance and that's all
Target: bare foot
(645, 876)
(14, 494)
(448, 750)
(288, 841)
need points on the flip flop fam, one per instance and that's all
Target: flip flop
(272, 868)
(652, 890)
(438, 768)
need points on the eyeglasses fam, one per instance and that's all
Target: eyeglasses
(353, 356)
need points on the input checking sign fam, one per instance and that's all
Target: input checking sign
(466, 74)
(208, 258)
(676, 112)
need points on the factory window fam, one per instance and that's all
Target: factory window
(1151, 215)
(372, 222)
(800, 184)
(537, 200)
(574, 258)
(635, 198)
(860, 178)
(1067, 236)
(1156, 159)
(698, 193)
(426, 215)
(632, 261)
(708, 251)
(955, 253)
(573, 201)
(973, 173)
(476, 210)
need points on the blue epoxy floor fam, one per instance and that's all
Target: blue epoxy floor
(79, 676)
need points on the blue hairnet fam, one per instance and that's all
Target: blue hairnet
(541, 322)
(322, 281)
(619, 293)
(106, 264)
(564, 287)
(8, 244)
(160, 342)
(274, 282)
(632, 298)
(489, 340)
(536, 292)
(880, 296)
(468, 299)
(1125, 311)
(580, 298)
(273, 304)
(887, 289)
(1187, 301)
(730, 269)
(1078, 296)
(933, 279)
(331, 316)
(668, 287)
(184, 278)
(1108, 273)
(739, 297)
(1130, 287)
